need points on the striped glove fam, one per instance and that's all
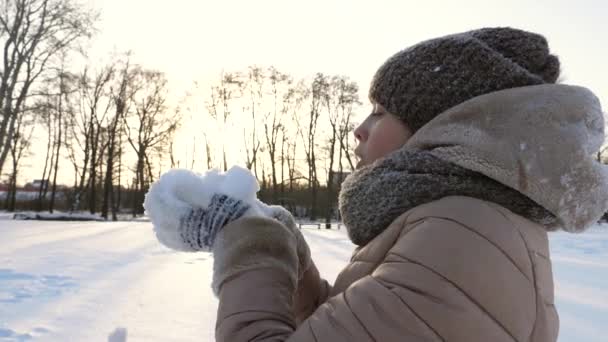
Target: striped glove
(187, 209)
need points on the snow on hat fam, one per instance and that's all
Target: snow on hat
(420, 82)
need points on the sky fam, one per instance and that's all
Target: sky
(194, 40)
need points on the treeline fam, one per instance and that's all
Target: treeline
(294, 133)
(113, 127)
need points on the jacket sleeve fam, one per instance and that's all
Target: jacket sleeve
(441, 281)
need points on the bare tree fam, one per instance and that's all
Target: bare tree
(58, 136)
(62, 108)
(148, 127)
(83, 131)
(120, 99)
(20, 145)
(279, 83)
(290, 158)
(341, 97)
(97, 105)
(255, 84)
(299, 95)
(349, 100)
(346, 147)
(33, 32)
(332, 104)
(44, 111)
(213, 110)
(117, 195)
(308, 133)
(221, 102)
(289, 103)
(79, 146)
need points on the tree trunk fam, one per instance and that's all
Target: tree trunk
(100, 170)
(5, 145)
(116, 202)
(83, 177)
(291, 165)
(264, 186)
(275, 184)
(330, 181)
(132, 191)
(140, 184)
(46, 161)
(172, 156)
(150, 177)
(57, 154)
(94, 129)
(209, 159)
(107, 188)
(47, 181)
(12, 199)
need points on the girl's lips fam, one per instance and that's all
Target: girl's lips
(360, 162)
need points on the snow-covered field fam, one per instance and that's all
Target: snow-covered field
(79, 281)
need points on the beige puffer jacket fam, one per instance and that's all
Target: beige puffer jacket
(458, 269)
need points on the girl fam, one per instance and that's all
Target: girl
(472, 153)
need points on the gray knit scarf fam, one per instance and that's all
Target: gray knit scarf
(375, 195)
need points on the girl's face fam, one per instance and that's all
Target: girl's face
(380, 134)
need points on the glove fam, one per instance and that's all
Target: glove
(259, 244)
(284, 216)
(188, 210)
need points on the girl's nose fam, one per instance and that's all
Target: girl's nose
(360, 133)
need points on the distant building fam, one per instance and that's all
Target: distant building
(30, 191)
(35, 184)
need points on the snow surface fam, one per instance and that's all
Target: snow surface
(58, 216)
(98, 281)
(66, 216)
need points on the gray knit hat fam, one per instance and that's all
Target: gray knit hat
(424, 80)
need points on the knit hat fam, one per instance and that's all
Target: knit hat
(422, 81)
